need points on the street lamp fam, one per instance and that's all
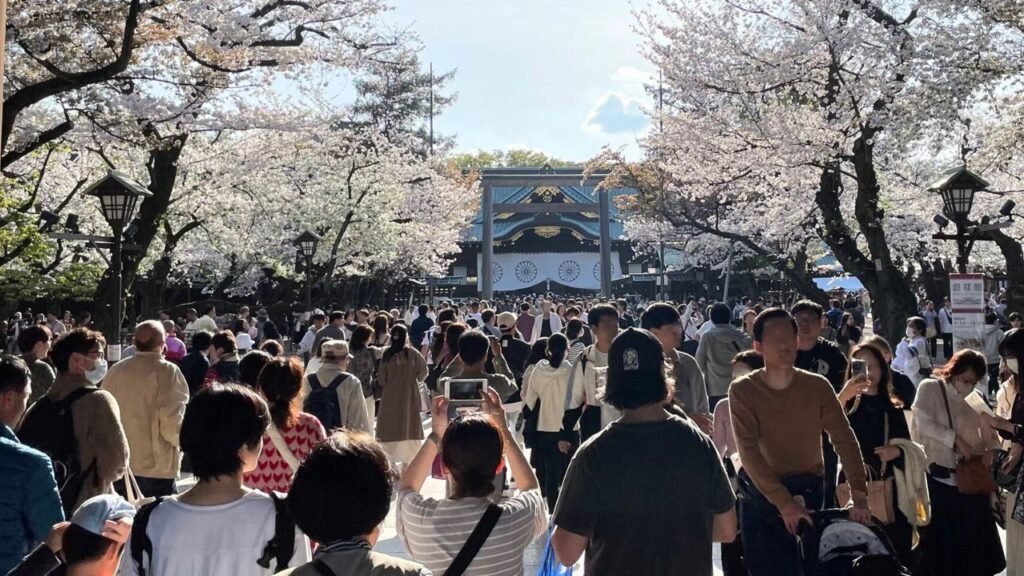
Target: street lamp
(118, 195)
(957, 187)
(307, 243)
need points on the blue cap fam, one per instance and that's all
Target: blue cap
(94, 513)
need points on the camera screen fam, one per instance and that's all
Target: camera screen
(466, 389)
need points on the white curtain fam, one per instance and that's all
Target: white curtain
(581, 270)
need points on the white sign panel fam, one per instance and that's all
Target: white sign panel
(516, 271)
(967, 299)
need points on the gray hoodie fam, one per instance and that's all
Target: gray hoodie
(715, 353)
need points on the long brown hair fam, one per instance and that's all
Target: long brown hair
(885, 384)
(280, 382)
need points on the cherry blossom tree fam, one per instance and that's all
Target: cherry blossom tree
(822, 118)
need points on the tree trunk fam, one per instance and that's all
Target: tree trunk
(893, 300)
(1014, 256)
(163, 174)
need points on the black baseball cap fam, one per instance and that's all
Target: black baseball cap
(635, 352)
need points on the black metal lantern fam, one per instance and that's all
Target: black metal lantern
(119, 195)
(958, 186)
(308, 242)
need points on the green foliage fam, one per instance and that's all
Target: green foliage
(515, 158)
(76, 282)
(20, 237)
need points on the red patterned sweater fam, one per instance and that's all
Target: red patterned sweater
(272, 471)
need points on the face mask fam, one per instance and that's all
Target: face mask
(96, 374)
(1012, 365)
(910, 332)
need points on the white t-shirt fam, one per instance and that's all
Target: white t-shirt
(224, 540)
(435, 530)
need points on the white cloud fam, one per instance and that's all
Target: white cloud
(628, 76)
(616, 113)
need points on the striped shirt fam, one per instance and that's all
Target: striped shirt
(435, 530)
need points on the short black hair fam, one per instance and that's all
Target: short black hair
(224, 340)
(250, 365)
(423, 309)
(915, 322)
(473, 347)
(446, 315)
(471, 450)
(601, 311)
(720, 313)
(1015, 316)
(31, 336)
(574, 328)
(337, 315)
(751, 358)
(79, 545)
(14, 374)
(201, 340)
(209, 308)
(525, 307)
(807, 306)
(990, 318)
(343, 488)
(77, 341)
(220, 420)
(272, 347)
(658, 315)
(767, 316)
(487, 315)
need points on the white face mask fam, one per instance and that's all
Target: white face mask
(96, 375)
(1013, 365)
(910, 332)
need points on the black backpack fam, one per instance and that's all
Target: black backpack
(49, 427)
(323, 401)
(280, 548)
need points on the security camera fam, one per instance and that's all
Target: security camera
(941, 220)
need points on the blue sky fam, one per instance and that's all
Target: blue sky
(562, 76)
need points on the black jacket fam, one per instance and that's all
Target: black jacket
(194, 366)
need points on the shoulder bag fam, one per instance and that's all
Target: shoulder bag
(880, 491)
(282, 447)
(475, 542)
(973, 472)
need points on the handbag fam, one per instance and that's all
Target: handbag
(132, 492)
(880, 491)
(974, 472)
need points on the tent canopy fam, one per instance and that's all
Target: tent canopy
(848, 283)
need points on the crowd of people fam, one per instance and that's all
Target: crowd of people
(634, 437)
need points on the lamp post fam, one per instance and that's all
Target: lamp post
(307, 243)
(957, 187)
(118, 195)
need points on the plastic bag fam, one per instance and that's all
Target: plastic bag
(549, 564)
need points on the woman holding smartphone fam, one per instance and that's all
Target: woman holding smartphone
(876, 416)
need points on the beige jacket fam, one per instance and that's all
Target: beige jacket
(101, 439)
(152, 394)
(931, 427)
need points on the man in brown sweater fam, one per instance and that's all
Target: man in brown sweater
(778, 416)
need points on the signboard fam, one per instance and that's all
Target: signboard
(967, 299)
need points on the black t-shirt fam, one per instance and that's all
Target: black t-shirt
(826, 359)
(904, 389)
(545, 327)
(418, 329)
(637, 522)
(868, 424)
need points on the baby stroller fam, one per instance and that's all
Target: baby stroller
(838, 546)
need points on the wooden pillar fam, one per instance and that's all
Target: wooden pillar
(606, 243)
(487, 245)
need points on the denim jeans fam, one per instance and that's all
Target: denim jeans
(770, 550)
